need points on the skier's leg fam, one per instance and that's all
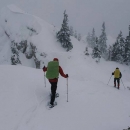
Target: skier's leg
(118, 81)
(53, 92)
(114, 82)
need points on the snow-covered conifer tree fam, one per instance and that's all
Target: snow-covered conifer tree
(118, 52)
(96, 52)
(79, 37)
(121, 47)
(15, 54)
(63, 35)
(102, 41)
(127, 52)
(71, 31)
(115, 51)
(109, 53)
(86, 51)
(75, 34)
(88, 39)
(93, 39)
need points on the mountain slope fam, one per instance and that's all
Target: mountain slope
(92, 103)
(16, 26)
(23, 96)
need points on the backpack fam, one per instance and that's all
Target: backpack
(117, 73)
(52, 70)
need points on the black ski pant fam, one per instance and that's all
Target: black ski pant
(118, 81)
(53, 91)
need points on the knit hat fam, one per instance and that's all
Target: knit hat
(55, 59)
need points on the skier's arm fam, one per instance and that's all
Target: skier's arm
(120, 75)
(113, 73)
(62, 73)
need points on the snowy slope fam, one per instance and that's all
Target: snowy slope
(15, 22)
(93, 105)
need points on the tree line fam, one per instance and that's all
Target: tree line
(119, 51)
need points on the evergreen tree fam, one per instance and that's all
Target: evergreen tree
(96, 52)
(109, 53)
(88, 39)
(75, 34)
(121, 47)
(79, 37)
(118, 52)
(15, 54)
(86, 51)
(127, 51)
(63, 35)
(115, 51)
(71, 31)
(93, 39)
(102, 41)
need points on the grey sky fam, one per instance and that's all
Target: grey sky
(83, 15)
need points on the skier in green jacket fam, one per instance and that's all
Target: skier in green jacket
(53, 69)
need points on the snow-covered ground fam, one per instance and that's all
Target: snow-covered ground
(92, 104)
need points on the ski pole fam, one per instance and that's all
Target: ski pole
(122, 83)
(44, 79)
(67, 89)
(109, 80)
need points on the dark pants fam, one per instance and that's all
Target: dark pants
(118, 81)
(53, 91)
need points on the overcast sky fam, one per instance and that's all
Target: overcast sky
(83, 15)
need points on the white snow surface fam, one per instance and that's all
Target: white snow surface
(93, 103)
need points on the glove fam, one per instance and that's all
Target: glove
(44, 67)
(67, 75)
(112, 73)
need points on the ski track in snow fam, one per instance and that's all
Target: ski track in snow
(26, 118)
(32, 112)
